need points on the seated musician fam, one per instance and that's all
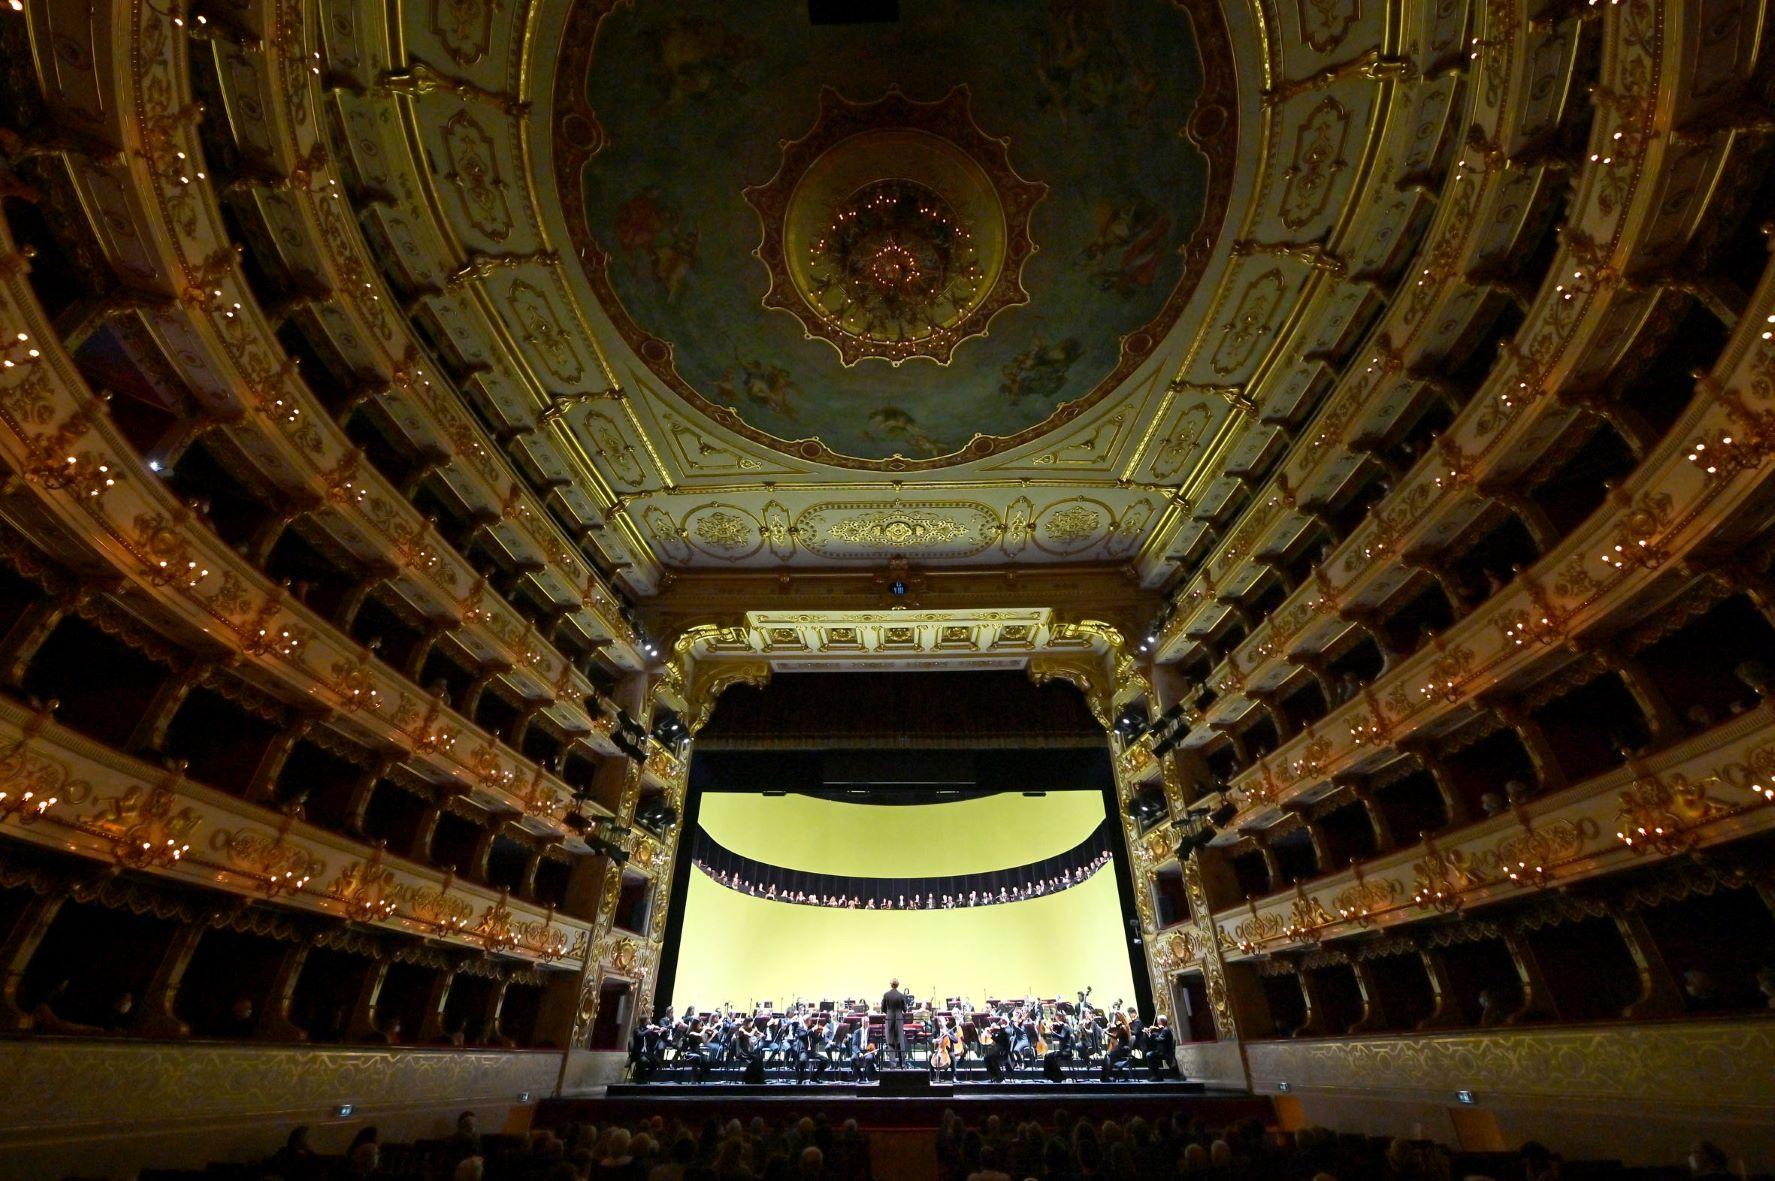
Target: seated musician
(863, 1055)
(693, 1050)
(1161, 1048)
(996, 1049)
(1029, 1035)
(1120, 1054)
(945, 1047)
(807, 1049)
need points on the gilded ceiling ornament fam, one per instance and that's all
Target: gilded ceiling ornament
(1173, 455)
(898, 528)
(540, 325)
(722, 530)
(1325, 23)
(1318, 158)
(895, 229)
(1073, 523)
(464, 28)
(472, 165)
(1249, 324)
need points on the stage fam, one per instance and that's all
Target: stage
(873, 1109)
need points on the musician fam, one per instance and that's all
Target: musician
(945, 1048)
(640, 1061)
(692, 1050)
(1030, 1034)
(1120, 1053)
(807, 1049)
(894, 1004)
(1161, 1048)
(863, 1056)
(1063, 1037)
(1091, 1037)
(995, 1042)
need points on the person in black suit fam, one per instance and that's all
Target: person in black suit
(893, 1007)
(1161, 1048)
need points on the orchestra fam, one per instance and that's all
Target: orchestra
(846, 1040)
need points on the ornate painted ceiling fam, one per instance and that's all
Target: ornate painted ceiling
(898, 190)
(1036, 286)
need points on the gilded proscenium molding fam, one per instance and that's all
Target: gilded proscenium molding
(122, 812)
(1097, 591)
(1714, 1066)
(80, 1086)
(1705, 791)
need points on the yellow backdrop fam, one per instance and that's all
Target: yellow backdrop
(900, 840)
(738, 949)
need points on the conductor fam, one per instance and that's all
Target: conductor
(893, 1007)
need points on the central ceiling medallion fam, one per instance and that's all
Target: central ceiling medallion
(895, 229)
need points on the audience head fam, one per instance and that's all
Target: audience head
(365, 1158)
(469, 1168)
(1706, 1158)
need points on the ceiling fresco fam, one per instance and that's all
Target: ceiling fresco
(1044, 287)
(892, 238)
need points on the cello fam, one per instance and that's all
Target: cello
(943, 1049)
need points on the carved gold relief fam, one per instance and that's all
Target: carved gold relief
(1318, 158)
(1325, 23)
(472, 165)
(1249, 324)
(896, 529)
(540, 324)
(464, 28)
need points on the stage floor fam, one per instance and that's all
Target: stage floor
(874, 1110)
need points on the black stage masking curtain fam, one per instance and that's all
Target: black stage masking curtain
(1034, 880)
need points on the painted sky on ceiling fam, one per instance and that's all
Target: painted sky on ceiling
(694, 97)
